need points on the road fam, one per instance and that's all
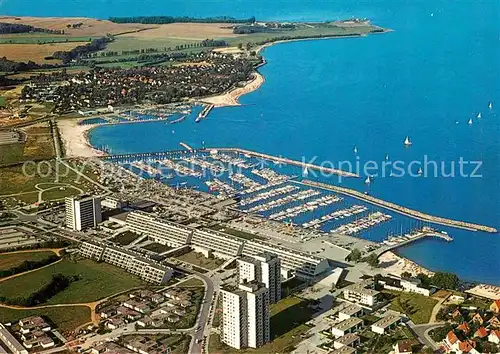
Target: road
(422, 331)
(201, 322)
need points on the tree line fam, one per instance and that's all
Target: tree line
(160, 20)
(28, 265)
(10, 28)
(94, 46)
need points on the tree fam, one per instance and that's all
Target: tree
(372, 260)
(445, 280)
(240, 46)
(355, 255)
(406, 275)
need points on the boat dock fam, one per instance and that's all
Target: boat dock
(397, 242)
(400, 209)
(205, 112)
(284, 160)
(186, 146)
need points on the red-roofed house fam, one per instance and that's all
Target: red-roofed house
(467, 347)
(494, 337)
(495, 306)
(450, 341)
(481, 332)
(464, 327)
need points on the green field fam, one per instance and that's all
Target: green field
(10, 260)
(64, 318)
(288, 318)
(237, 233)
(97, 280)
(2, 102)
(57, 193)
(23, 38)
(133, 43)
(417, 307)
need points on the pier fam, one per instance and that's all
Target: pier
(186, 146)
(284, 160)
(205, 112)
(400, 209)
(410, 239)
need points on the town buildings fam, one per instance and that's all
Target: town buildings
(148, 270)
(362, 293)
(264, 268)
(245, 319)
(82, 212)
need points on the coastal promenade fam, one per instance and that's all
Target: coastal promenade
(400, 209)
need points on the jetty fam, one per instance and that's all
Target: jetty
(205, 112)
(186, 146)
(400, 209)
(411, 238)
(284, 160)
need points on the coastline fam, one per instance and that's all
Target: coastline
(231, 98)
(75, 138)
(396, 264)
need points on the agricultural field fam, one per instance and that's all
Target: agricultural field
(11, 260)
(65, 319)
(35, 52)
(38, 145)
(96, 281)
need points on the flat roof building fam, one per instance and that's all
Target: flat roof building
(221, 244)
(11, 342)
(362, 293)
(82, 212)
(264, 268)
(350, 339)
(245, 316)
(386, 323)
(347, 326)
(349, 311)
(159, 230)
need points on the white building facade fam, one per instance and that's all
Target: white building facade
(82, 212)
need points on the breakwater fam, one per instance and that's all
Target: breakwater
(400, 209)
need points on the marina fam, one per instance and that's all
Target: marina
(336, 215)
(367, 222)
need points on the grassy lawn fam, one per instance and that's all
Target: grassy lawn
(2, 102)
(157, 247)
(14, 180)
(135, 43)
(10, 260)
(417, 307)
(200, 260)
(477, 302)
(11, 153)
(64, 318)
(288, 318)
(97, 280)
(192, 283)
(56, 193)
(125, 238)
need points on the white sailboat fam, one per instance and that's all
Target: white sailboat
(470, 121)
(305, 172)
(479, 115)
(387, 157)
(355, 150)
(490, 106)
(407, 141)
(420, 171)
(368, 180)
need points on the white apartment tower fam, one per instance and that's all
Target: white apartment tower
(83, 212)
(245, 316)
(264, 268)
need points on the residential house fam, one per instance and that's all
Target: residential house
(403, 347)
(464, 327)
(386, 323)
(481, 332)
(494, 322)
(494, 336)
(478, 319)
(495, 306)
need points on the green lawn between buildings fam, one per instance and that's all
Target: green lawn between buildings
(417, 307)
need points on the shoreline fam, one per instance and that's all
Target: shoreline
(75, 138)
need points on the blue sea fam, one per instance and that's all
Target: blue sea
(439, 68)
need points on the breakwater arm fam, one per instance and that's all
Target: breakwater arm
(401, 209)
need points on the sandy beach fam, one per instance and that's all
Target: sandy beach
(484, 290)
(231, 98)
(394, 264)
(75, 141)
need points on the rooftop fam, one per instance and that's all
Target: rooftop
(347, 339)
(387, 321)
(348, 324)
